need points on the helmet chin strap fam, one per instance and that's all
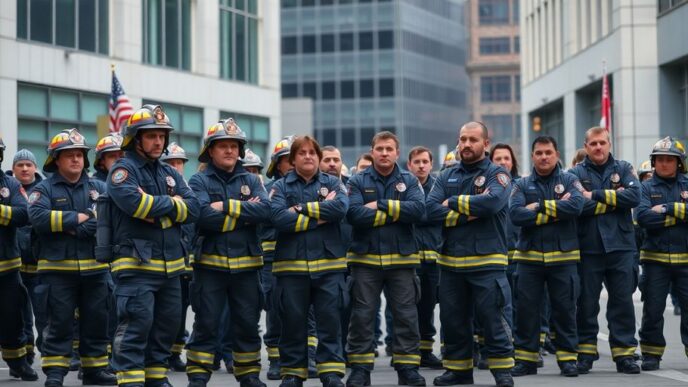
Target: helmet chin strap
(147, 155)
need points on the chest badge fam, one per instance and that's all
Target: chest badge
(401, 187)
(615, 178)
(5, 192)
(170, 181)
(94, 195)
(559, 188)
(324, 191)
(479, 181)
(245, 190)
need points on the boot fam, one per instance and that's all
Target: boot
(291, 381)
(584, 364)
(99, 377)
(358, 378)
(482, 361)
(274, 370)
(450, 378)
(197, 382)
(503, 378)
(410, 377)
(331, 380)
(650, 362)
(523, 368)
(627, 365)
(251, 381)
(428, 359)
(176, 363)
(229, 366)
(24, 372)
(568, 368)
(54, 380)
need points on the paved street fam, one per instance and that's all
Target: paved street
(674, 368)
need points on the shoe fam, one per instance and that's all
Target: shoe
(568, 369)
(482, 361)
(251, 381)
(54, 380)
(677, 310)
(650, 363)
(523, 368)
(450, 378)
(161, 383)
(197, 382)
(358, 378)
(99, 378)
(24, 372)
(332, 380)
(410, 377)
(540, 362)
(312, 369)
(429, 360)
(274, 370)
(627, 365)
(176, 363)
(291, 381)
(503, 378)
(584, 364)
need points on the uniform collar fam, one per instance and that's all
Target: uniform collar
(211, 169)
(292, 176)
(588, 163)
(375, 175)
(555, 172)
(482, 164)
(429, 182)
(57, 178)
(139, 160)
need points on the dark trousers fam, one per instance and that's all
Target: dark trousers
(148, 317)
(563, 287)
(63, 293)
(30, 281)
(182, 333)
(656, 281)
(402, 291)
(328, 295)
(210, 291)
(273, 325)
(224, 336)
(485, 293)
(616, 270)
(13, 297)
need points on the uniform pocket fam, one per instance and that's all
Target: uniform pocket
(123, 296)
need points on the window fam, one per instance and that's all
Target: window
(385, 40)
(187, 122)
(329, 90)
(517, 44)
(257, 131)
(366, 136)
(515, 12)
(308, 44)
(492, 46)
(310, 90)
(348, 137)
(367, 88)
(307, 3)
(326, 2)
(346, 41)
(327, 43)
(495, 88)
(493, 11)
(290, 90)
(517, 88)
(329, 137)
(290, 45)
(239, 40)
(44, 111)
(290, 3)
(167, 33)
(501, 127)
(87, 32)
(347, 89)
(365, 40)
(387, 87)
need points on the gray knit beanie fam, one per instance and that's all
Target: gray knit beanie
(24, 155)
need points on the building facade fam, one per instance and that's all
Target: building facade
(565, 46)
(373, 65)
(494, 67)
(202, 60)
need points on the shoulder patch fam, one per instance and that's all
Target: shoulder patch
(119, 176)
(35, 195)
(503, 179)
(577, 184)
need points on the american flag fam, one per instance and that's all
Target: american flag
(120, 106)
(606, 107)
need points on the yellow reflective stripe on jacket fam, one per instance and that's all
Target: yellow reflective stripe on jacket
(549, 257)
(144, 207)
(231, 263)
(234, 208)
(10, 264)
(394, 209)
(155, 265)
(473, 261)
(452, 219)
(165, 222)
(306, 266)
(610, 197)
(137, 376)
(384, 259)
(669, 221)
(268, 245)
(339, 368)
(551, 208)
(600, 208)
(680, 210)
(669, 258)
(229, 224)
(5, 214)
(313, 209)
(458, 365)
(182, 210)
(429, 255)
(301, 223)
(464, 205)
(71, 265)
(56, 221)
(380, 219)
(541, 219)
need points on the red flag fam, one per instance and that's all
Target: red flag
(606, 121)
(120, 106)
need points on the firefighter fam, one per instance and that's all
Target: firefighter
(470, 200)
(546, 205)
(607, 241)
(664, 252)
(108, 150)
(310, 264)
(62, 213)
(252, 163)
(176, 158)
(233, 202)
(149, 203)
(13, 295)
(385, 202)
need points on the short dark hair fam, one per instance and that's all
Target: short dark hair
(416, 150)
(544, 140)
(329, 148)
(384, 135)
(476, 125)
(514, 162)
(299, 142)
(365, 156)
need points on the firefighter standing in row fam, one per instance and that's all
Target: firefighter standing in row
(385, 203)
(108, 150)
(62, 212)
(546, 205)
(149, 204)
(607, 243)
(664, 253)
(310, 265)
(13, 295)
(470, 199)
(233, 202)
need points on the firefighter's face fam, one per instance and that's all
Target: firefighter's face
(109, 158)
(385, 154)
(24, 171)
(306, 160)
(283, 165)
(224, 154)
(177, 164)
(502, 157)
(70, 162)
(152, 143)
(472, 144)
(331, 163)
(597, 146)
(666, 166)
(544, 158)
(420, 165)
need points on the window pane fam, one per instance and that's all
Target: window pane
(349, 137)
(33, 101)
(153, 53)
(240, 4)
(329, 90)
(22, 11)
(90, 134)
(226, 41)
(190, 143)
(192, 121)
(387, 87)
(367, 88)
(290, 45)
(309, 90)
(289, 3)
(240, 44)
(42, 22)
(347, 89)
(498, 45)
(253, 6)
(346, 41)
(365, 40)
(186, 35)
(366, 136)
(174, 114)
(290, 90)
(327, 43)
(385, 39)
(308, 44)
(87, 25)
(493, 11)
(307, 3)
(253, 50)
(34, 131)
(171, 33)
(65, 23)
(103, 27)
(92, 107)
(64, 105)
(517, 44)
(329, 136)
(261, 129)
